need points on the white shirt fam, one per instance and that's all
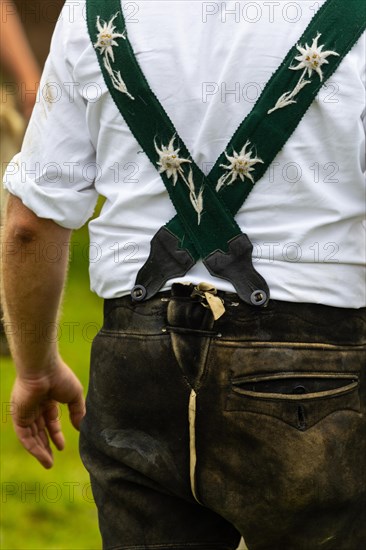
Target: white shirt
(207, 63)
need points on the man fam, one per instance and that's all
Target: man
(211, 413)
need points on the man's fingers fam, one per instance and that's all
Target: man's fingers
(42, 436)
(35, 444)
(53, 423)
(43, 441)
(36, 414)
(25, 409)
(77, 411)
(35, 440)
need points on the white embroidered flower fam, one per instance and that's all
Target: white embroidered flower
(241, 166)
(312, 58)
(105, 42)
(170, 161)
(107, 37)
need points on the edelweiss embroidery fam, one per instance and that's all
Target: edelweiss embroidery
(311, 59)
(106, 37)
(171, 163)
(106, 40)
(169, 160)
(241, 164)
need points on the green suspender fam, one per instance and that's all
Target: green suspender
(206, 205)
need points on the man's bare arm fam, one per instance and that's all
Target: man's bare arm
(32, 290)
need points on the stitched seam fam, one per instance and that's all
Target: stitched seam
(293, 315)
(274, 417)
(303, 398)
(136, 335)
(255, 344)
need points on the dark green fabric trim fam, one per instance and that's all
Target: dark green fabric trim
(340, 23)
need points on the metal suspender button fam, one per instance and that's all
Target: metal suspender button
(138, 293)
(258, 297)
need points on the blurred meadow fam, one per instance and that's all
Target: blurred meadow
(53, 509)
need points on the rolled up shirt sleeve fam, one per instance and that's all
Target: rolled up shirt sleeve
(55, 171)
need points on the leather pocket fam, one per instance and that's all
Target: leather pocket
(299, 399)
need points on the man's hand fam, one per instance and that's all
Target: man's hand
(36, 414)
(32, 294)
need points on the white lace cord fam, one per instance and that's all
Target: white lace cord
(192, 442)
(213, 302)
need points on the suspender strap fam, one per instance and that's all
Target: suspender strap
(339, 23)
(204, 226)
(154, 130)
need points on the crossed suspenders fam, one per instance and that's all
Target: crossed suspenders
(204, 226)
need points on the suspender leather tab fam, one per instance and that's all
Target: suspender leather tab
(166, 261)
(236, 266)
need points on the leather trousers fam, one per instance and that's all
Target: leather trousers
(198, 432)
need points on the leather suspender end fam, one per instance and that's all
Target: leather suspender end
(166, 261)
(236, 266)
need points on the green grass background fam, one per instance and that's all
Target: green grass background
(52, 509)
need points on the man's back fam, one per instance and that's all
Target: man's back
(207, 63)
